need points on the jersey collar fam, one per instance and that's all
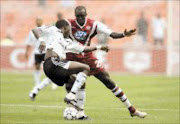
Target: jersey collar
(80, 25)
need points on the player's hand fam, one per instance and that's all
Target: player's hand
(129, 33)
(42, 47)
(105, 48)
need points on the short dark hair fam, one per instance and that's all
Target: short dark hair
(61, 23)
(78, 8)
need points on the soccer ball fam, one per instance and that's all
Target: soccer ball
(70, 113)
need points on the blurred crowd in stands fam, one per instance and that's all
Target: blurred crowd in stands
(157, 25)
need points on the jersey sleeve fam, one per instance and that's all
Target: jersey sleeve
(48, 33)
(102, 28)
(74, 47)
(43, 31)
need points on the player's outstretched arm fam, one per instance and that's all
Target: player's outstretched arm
(90, 49)
(126, 33)
(42, 45)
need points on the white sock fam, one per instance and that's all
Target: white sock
(44, 83)
(119, 93)
(81, 98)
(35, 90)
(40, 86)
(127, 103)
(37, 75)
(80, 80)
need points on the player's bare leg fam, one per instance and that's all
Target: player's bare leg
(82, 71)
(105, 78)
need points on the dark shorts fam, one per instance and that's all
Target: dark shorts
(39, 58)
(88, 59)
(54, 70)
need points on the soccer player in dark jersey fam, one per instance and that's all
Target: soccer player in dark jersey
(83, 30)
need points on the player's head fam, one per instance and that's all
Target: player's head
(63, 26)
(80, 13)
(142, 14)
(59, 16)
(39, 21)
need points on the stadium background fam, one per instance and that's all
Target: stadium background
(126, 55)
(143, 70)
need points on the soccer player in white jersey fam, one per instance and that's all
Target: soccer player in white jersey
(38, 57)
(55, 66)
(46, 81)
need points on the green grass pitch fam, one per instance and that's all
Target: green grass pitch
(157, 95)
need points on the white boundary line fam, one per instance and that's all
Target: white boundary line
(61, 107)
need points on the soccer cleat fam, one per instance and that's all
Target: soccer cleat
(81, 116)
(139, 114)
(70, 99)
(84, 118)
(32, 96)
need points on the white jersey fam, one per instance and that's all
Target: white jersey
(102, 28)
(32, 41)
(55, 40)
(159, 26)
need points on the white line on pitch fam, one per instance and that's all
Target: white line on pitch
(58, 106)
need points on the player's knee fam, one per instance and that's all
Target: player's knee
(86, 69)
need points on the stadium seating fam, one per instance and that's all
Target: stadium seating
(117, 14)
